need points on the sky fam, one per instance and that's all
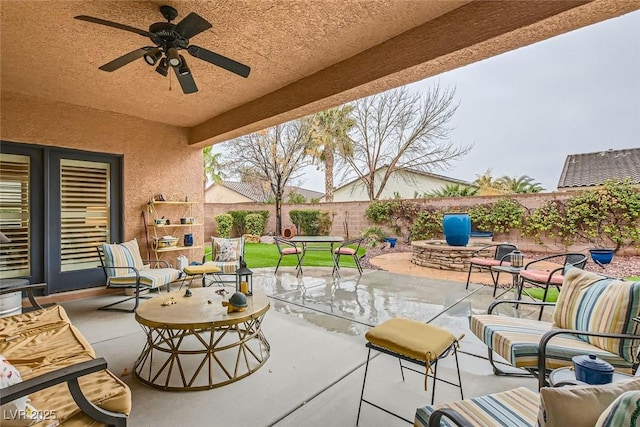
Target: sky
(524, 111)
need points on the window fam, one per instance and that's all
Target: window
(84, 212)
(14, 215)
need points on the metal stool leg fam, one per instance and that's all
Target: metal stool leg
(455, 353)
(364, 380)
(435, 375)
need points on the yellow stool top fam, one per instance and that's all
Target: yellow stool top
(205, 268)
(410, 338)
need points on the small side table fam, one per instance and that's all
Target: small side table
(567, 376)
(515, 275)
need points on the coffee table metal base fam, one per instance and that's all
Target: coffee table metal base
(201, 359)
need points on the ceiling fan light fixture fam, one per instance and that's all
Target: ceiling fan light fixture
(153, 56)
(183, 70)
(173, 57)
(163, 67)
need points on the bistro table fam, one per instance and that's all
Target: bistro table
(318, 243)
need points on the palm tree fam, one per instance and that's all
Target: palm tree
(330, 133)
(486, 181)
(520, 185)
(212, 166)
(452, 190)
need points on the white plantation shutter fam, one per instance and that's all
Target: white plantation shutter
(14, 215)
(84, 212)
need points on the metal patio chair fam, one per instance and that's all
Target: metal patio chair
(285, 248)
(347, 250)
(500, 257)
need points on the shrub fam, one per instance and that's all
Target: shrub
(498, 217)
(428, 224)
(373, 236)
(312, 222)
(399, 215)
(240, 221)
(255, 224)
(224, 223)
(296, 198)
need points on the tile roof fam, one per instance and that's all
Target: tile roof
(256, 194)
(589, 169)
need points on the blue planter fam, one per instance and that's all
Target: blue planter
(392, 241)
(456, 228)
(601, 256)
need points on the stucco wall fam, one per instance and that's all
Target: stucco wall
(221, 194)
(157, 157)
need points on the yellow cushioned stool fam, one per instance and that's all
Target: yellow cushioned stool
(192, 271)
(415, 342)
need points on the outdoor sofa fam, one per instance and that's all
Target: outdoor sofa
(61, 377)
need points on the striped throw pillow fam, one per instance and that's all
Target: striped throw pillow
(125, 254)
(590, 302)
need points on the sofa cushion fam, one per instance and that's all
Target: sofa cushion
(517, 340)
(513, 408)
(43, 341)
(590, 302)
(579, 406)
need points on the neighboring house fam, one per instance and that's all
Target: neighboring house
(407, 186)
(593, 169)
(242, 192)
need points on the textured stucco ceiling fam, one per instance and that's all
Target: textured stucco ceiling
(304, 54)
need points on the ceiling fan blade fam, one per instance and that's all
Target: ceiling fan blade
(113, 25)
(124, 59)
(219, 60)
(186, 81)
(192, 25)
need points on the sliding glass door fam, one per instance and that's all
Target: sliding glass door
(58, 206)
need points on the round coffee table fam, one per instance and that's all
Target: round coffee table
(195, 344)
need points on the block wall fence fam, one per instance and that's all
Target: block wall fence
(349, 219)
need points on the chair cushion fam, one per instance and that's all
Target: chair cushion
(622, 412)
(152, 278)
(345, 251)
(488, 262)
(207, 267)
(579, 406)
(227, 250)
(517, 340)
(590, 302)
(125, 254)
(541, 276)
(513, 408)
(290, 251)
(420, 341)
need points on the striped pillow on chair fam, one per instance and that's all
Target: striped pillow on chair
(592, 302)
(125, 254)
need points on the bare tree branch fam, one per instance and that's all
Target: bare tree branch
(272, 156)
(403, 132)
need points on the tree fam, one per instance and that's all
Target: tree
(275, 156)
(330, 133)
(452, 190)
(212, 166)
(521, 184)
(403, 132)
(486, 181)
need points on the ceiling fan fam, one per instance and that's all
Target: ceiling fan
(169, 39)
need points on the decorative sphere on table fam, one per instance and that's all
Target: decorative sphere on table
(237, 302)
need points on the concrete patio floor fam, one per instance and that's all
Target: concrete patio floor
(314, 375)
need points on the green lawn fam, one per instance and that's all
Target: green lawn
(552, 295)
(266, 255)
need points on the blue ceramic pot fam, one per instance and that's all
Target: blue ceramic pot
(601, 256)
(592, 370)
(456, 228)
(392, 241)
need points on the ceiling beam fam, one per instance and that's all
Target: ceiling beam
(389, 64)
